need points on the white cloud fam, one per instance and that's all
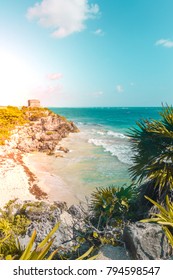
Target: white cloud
(99, 32)
(119, 88)
(64, 17)
(165, 43)
(54, 76)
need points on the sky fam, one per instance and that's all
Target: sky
(86, 53)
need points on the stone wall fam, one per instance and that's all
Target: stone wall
(33, 103)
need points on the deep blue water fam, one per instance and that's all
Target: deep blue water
(108, 127)
(116, 118)
(107, 155)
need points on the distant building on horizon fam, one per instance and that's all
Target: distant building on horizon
(33, 103)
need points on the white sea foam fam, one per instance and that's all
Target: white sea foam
(100, 132)
(116, 134)
(96, 142)
(121, 150)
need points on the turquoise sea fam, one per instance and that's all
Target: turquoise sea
(100, 154)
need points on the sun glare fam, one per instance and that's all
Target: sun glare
(16, 79)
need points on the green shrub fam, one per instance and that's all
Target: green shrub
(152, 143)
(10, 117)
(112, 203)
(41, 251)
(13, 226)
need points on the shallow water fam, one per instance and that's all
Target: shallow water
(79, 172)
(99, 156)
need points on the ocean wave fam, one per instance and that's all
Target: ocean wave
(100, 132)
(116, 134)
(109, 133)
(122, 151)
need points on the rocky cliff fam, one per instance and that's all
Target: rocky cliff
(42, 131)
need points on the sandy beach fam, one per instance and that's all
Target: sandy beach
(60, 176)
(16, 179)
(30, 176)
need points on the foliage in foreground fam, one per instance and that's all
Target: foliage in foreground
(41, 251)
(152, 144)
(109, 209)
(164, 217)
(11, 226)
(112, 203)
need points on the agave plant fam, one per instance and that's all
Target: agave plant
(164, 217)
(42, 248)
(29, 253)
(152, 143)
(40, 252)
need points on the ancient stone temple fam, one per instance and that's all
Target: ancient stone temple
(33, 103)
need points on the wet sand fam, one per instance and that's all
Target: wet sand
(35, 176)
(60, 177)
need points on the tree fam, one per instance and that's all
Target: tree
(152, 144)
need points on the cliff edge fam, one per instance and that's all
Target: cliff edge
(41, 131)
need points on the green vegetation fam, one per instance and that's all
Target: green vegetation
(11, 226)
(112, 204)
(151, 174)
(164, 217)
(112, 207)
(41, 251)
(152, 143)
(35, 113)
(10, 117)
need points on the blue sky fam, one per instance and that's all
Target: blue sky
(77, 53)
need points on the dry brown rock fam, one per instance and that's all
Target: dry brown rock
(42, 134)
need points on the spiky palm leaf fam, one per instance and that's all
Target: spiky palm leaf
(164, 217)
(111, 202)
(152, 143)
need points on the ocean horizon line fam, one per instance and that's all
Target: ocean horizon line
(102, 107)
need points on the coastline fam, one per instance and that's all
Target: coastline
(53, 185)
(56, 164)
(31, 176)
(58, 175)
(14, 180)
(38, 131)
(21, 179)
(35, 171)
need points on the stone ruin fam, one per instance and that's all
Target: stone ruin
(33, 103)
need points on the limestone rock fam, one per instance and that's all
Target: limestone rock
(63, 149)
(75, 211)
(146, 241)
(109, 252)
(41, 133)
